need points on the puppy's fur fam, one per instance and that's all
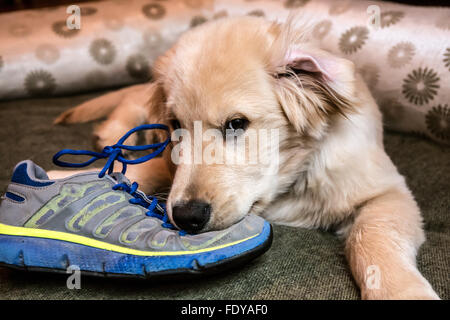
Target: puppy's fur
(333, 172)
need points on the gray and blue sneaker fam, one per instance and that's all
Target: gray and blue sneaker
(102, 223)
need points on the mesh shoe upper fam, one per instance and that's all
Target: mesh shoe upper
(87, 205)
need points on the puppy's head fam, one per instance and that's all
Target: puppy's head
(226, 82)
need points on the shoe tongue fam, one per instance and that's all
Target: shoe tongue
(39, 173)
(120, 178)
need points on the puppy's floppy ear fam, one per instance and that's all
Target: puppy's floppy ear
(312, 85)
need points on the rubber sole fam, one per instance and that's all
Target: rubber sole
(50, 255)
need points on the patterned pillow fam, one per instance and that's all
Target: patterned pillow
(405, 59)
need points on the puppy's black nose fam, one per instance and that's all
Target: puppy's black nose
(191, 216)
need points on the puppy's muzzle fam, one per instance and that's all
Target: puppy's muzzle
(191, 216)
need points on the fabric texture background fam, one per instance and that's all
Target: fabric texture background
(302, 264)
(405, 60)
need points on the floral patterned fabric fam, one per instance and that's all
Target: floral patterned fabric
(405, 60)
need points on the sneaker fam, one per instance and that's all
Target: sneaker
(102, 224)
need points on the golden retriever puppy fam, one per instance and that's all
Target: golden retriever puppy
(246, 74)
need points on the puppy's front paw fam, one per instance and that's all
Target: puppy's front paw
(109, 132)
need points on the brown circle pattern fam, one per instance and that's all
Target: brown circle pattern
(353, 39)
(292, 4)
(401, 54)
(40, 83)
(197, 20)
(321, 29)
(60, 28)
(138, 67)
(438, 122)
(154, 11)
(256, 13)
(447, 58)
(220, 14)
(87, 11)
(389, 18)
(420, 86)
(47, 53)
(152, 38)
(102, 51)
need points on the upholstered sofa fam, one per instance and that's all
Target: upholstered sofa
(301, 264)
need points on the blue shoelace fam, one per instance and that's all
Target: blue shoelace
(114, 153)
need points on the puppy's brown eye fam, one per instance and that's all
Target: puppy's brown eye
(175, 124)
(236, 124)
